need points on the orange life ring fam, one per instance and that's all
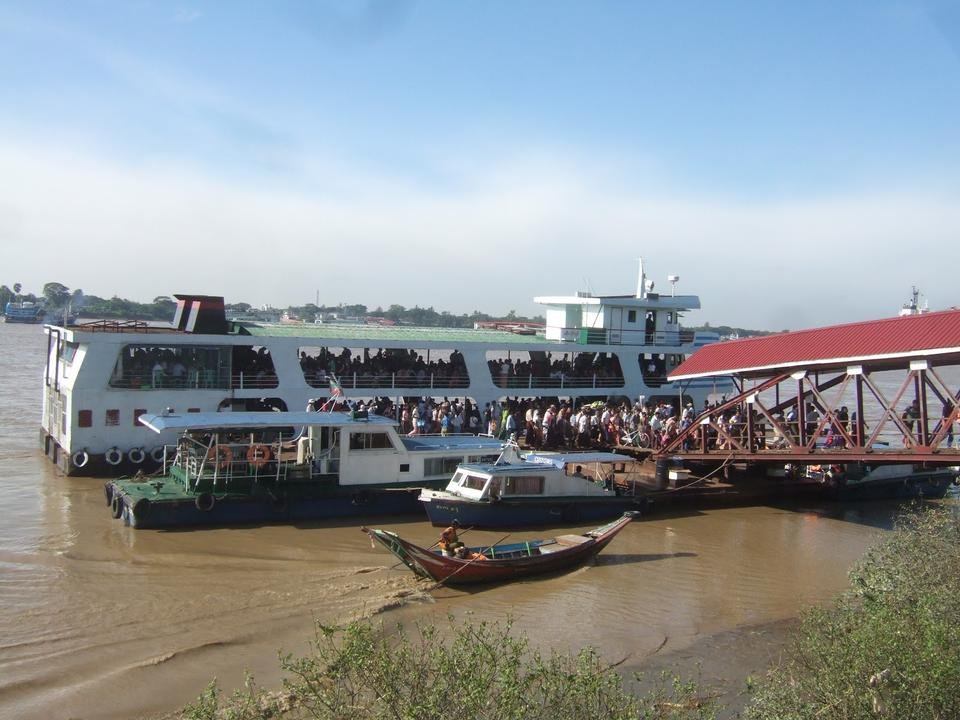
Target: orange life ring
(258, 455)
(222, 455)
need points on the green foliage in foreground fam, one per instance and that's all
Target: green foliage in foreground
(483, 672)
(890, 647)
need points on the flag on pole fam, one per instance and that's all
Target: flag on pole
(336, 392)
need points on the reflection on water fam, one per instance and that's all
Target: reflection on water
(88, 606)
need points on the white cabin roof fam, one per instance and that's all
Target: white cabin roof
(650, 300)
(237, 420)
(561, 460)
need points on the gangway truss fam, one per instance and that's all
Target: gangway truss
(881, 391)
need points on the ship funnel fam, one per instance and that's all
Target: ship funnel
(201, 314)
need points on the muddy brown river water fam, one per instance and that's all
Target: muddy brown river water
(101, 621)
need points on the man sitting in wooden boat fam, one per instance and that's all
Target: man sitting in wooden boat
(449, 540)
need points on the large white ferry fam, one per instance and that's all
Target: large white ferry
(100, 377)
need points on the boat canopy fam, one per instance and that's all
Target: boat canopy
(452, 442)
(561, 460)
(238, 420)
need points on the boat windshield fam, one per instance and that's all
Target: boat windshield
(474, 482)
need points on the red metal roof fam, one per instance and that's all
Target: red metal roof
(911, 336)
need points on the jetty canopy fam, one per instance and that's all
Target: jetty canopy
(244, 420)
(889, 342)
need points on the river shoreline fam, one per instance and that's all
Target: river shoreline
(722, 663)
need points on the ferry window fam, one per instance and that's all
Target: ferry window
(370, 441)
(252, 367)
(148, 367)
(69, 352)
(85, 418)
(669, 318)
(542, 369)
(441, 465)
(361, 368)
(458, 478)
(523, 485)
(136, 416)
(404, 467)
(474, 482)
(112, 417)
(631, 316)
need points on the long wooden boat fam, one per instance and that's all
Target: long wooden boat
(501, 562)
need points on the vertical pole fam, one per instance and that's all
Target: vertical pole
(46, 371)
(920, 385)
(801, 415)
(750, 427)
(859, 429)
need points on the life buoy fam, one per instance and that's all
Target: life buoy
(222, 455)
(136, 455)
(80, 459)
(258, 455)
(204, 502)
(116, 506)
(113, 456)
(159, 453)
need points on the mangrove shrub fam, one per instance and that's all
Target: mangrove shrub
(890, 646)
(475, 672)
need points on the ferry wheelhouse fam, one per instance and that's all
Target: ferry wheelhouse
(100, 377)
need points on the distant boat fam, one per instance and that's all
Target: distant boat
(500, 562)
(913, 306)
(24, 312)
(856, 481)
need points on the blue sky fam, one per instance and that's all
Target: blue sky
(796, 164)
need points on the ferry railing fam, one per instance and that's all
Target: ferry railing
(361, 381)
(612, 336)
(193, 379)
(561, 381)
(135, 380)
(121, 326)
(258, 380)
(226, 463)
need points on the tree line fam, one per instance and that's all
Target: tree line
(57, 297)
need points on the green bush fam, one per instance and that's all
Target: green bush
(890, 646)
(482, 672)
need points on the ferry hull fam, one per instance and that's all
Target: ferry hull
(93, 464)
(529, 513)
(144, 512)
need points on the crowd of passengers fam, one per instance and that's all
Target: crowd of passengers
(409, 368)
(535, 423)
(586, 370)
(543, 424)
(190, 367)
(386, 368)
